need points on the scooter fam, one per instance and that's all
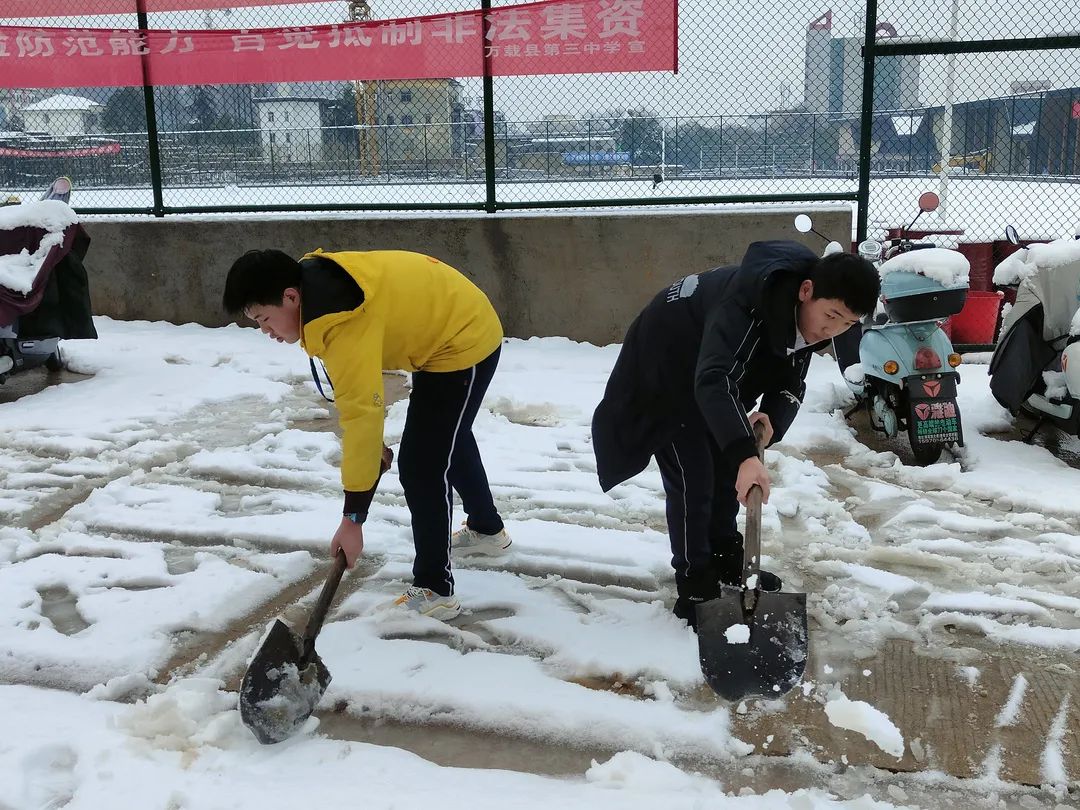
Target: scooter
(898, 362)
(1035, 368)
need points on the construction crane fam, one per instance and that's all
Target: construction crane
(367, 96)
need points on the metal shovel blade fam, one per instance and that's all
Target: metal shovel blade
(768, 663)
(281, 688)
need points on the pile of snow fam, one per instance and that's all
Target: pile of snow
(861, 717)
(190, 713)
(1055, 254)
(947, 267)
(18, 271)
(1014, 268)
(737, 634)
(1056, 386)
(855, 374)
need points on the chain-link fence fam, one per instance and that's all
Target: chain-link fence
(767, 105)
(981, 108)
(726, 127)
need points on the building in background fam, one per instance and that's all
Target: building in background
(420, 122)
(62, 115)
(291, 128)
(833, 74)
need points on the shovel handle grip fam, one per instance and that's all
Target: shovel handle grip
(318, 613)
(752, 534)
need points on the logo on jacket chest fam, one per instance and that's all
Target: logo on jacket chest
(683, 288)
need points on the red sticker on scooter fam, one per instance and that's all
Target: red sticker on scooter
(922, 410)
(932, 388)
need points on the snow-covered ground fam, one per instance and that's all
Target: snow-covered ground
(981, 206)
(158, 513)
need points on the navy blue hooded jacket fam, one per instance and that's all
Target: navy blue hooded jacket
(709, 346)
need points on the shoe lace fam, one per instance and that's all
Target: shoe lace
(412, 592)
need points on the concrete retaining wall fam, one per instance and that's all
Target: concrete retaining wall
(583, 276)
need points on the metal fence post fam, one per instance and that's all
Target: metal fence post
(678, 170)
(866, 129)
(547, 147)
(154, 155)
(490, 204)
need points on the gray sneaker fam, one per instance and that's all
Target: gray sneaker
(470, 543)
(426, 603)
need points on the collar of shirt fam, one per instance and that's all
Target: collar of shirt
(800, 341)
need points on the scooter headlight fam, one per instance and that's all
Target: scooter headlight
(891, 367)
(870, 250)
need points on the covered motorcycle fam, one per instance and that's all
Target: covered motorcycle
(44, 288)
(1030, 367)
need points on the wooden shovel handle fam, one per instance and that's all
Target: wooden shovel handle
(752, 533)
(318, 613)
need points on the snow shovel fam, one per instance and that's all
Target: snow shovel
(752, 643)
(286, 679)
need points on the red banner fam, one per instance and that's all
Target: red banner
(79, 151)
(550, 37)
(16, 9)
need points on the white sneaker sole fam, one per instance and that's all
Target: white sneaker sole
(488, 550)
(442, 612)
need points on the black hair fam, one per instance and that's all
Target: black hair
(259, 277)
(849, 278)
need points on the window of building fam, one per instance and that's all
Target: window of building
(427, 118)
(406, 120)
(270, 116)
(288, 137)
(390, 120)
(406, 96)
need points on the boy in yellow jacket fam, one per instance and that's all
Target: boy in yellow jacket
(365, 312)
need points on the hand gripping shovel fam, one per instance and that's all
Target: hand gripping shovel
(286, 678)
(771, 660)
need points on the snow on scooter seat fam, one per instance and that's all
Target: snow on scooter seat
(18, 271)
(947, 267)
(1026, 262)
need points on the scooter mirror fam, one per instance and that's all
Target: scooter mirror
(1012, 235)
(803, 223)
(929, 201)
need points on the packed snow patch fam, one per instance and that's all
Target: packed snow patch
(1008, 714)
(737, 634)
(859, 716)
(947, 267)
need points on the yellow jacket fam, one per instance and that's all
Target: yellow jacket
(418, 314)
